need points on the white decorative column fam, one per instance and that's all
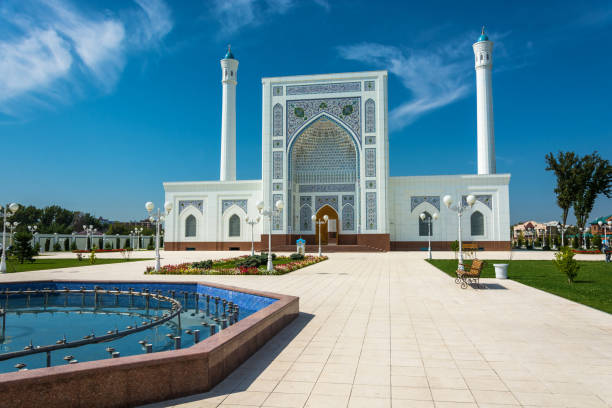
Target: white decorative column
(483, 53)
(229, 72)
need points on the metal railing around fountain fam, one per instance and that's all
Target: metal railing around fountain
(228, 316)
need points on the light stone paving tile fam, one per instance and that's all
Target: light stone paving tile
(278, 399)
(364, 402)
(327, 401)
(371, 391)
(294, 387)
(332, 389)
(494, 397)
(408, 381)
(447, 382)
(411, 393)
(451, 395)
(246, 398)
(404, 403)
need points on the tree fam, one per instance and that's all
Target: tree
(66, 244)
(592, 177)
(596, 242)
(22, 248)
(565, 262)
(564, 168)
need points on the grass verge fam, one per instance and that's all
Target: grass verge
(45, 263)
(592, 287)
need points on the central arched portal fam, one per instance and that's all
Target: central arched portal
(329, 230)
(324, 179)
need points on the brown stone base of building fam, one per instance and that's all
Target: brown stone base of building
(446, 245)
(346, 243)
(286, 243)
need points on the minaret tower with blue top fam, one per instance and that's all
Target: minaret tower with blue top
(229, 73)
(483, 54)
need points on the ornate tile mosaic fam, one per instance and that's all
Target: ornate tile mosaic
(277, 186)
(277, 120)
(371, 211)
(370, 140)
(277, 165)
(277, 90)
(324, 154)
(348, 199)
(370, 184)
(370, 162)
(324, 88)
(225, 204)
(277, 144)
(332, 201)
(369, 86)
(277, 219)
(415, 201)
(486, 199)
(326, 188)
(305, 213)
(370, 116)
(348, 218)
(198, 204)
(346, 110)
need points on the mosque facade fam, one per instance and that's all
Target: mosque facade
(325, 152)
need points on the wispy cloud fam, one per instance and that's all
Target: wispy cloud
(435, 78)
(234, 15)
(49, 53)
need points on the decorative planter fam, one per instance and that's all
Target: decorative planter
(501, 271)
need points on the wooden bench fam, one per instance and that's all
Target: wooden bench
(472, 275)
(469, 247)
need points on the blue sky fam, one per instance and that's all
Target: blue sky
(101, 101)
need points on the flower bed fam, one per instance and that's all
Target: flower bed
(586, 251)
(84, 251)
(227, 266)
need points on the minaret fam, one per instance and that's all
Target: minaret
(229, 72)
(483, 53)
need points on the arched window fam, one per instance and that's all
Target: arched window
(190, 226)
(424, 228)
(234, 226)
(477, 223)
(481, 57)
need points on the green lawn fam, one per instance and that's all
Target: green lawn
(53, 263)
(592, 287)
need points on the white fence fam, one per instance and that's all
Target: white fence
(101, 241)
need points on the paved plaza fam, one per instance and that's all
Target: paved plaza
(388, 329)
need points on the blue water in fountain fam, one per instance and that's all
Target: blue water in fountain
(74, 316)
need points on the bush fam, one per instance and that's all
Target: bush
(454, 246)
(151, 244)
(73, 245)
(203, 264)
(127, 244)
(66, 244)
(537, 243)
(47, 245)
(587, 242)
(251, 262)
(597, 242)
(575, 243)
(296, 256)
(565, 262)
(57, 247)
(22, 248)
(108, 245)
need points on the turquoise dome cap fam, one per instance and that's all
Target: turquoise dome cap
(228, 54)
(483, 36)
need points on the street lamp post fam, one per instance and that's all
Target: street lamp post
(429, 220)
(12, 226)
(270, 213)
(459, 208)
(603, 227)
(586, 231)
(7, 211)
(136, 232)
(32, 229)
(319, 223)
(89, 231)
(562, 229)
(252, 222)
(157, 219)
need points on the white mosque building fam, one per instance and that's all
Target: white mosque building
(325, 151)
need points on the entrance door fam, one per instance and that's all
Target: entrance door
(326, 234)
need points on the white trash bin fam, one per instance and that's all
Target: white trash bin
(501, 271)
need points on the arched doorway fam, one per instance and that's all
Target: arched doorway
(329, 230)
